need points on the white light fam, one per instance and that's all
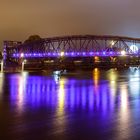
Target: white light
(22, 55)
(57, 72)
(112, 43)
(123, 52)
(62, 54)
(134, 48)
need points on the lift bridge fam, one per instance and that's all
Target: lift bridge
(77, 46)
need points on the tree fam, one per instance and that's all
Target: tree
(32, 39)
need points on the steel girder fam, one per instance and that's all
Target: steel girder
(74, 44)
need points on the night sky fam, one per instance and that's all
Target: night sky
(22, 18)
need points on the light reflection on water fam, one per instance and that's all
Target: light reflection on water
(1, 83)
(109, 94)
(124, 114)
(97, 93)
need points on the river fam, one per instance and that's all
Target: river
(83, 105)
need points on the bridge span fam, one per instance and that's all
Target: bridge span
(72, 47)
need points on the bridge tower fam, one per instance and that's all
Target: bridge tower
(7, 46)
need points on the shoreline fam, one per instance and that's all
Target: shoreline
(12, 70)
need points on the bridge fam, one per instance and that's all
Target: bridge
(72, 47)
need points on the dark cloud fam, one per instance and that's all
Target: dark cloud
(19, 19)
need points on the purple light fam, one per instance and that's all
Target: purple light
(72, 53)
(54, 54)
(94, 53)
(118, 53)
(78, 53)
(104, 53)
(110, 53)
(33, 94)
(97, 53)
(84, 53)
(90, 53)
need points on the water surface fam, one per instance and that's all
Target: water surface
(98, 104)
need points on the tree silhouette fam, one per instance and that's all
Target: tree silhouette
(33, 39)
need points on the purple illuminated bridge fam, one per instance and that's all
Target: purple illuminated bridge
(73, 46)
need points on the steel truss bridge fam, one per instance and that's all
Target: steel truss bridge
(73, 46)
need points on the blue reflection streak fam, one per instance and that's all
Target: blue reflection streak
(86, 94)
(40, 90)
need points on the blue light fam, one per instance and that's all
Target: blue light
(97, 53)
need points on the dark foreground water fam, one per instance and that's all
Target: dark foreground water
(95, 105)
